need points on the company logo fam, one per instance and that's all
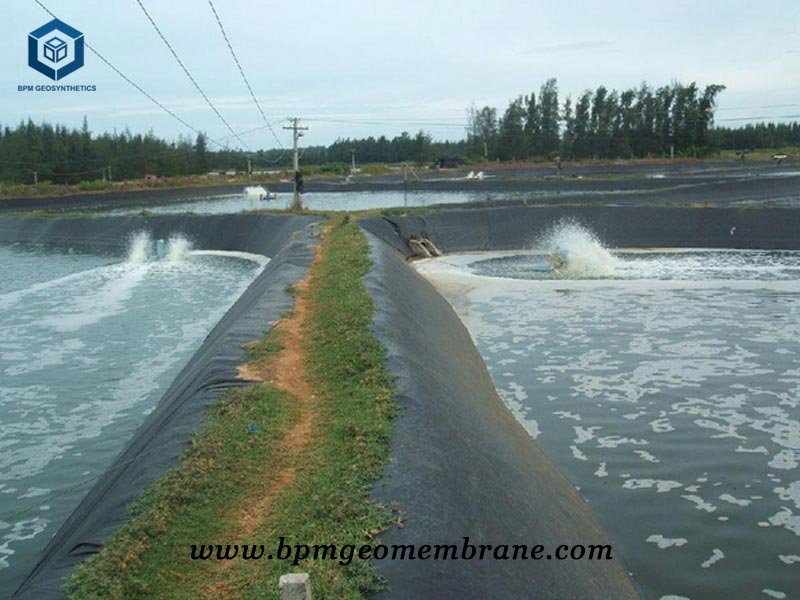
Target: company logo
(55, 49)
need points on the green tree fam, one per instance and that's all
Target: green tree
(422, 148)
(548, 111)
(533, 126)
(582, 129)
(201, 153)
(512, 131)
(568, 139)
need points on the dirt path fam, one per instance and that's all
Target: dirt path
(287, 372)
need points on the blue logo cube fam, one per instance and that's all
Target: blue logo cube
(55, 49)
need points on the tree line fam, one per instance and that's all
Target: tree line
(671, 120)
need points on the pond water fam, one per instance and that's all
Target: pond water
(666, 387)
(88, 344)
(253, 199)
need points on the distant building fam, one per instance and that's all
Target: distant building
(150, 177)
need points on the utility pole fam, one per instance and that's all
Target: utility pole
(35, 178)
(353, 156)
(249, 168)
(297, 133)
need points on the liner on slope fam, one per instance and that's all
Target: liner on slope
(259, 234)
(463, 466)
(515, 228)
(159, 442)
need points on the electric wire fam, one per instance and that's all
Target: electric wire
(189, 75)
(131, 82)
(244, 77)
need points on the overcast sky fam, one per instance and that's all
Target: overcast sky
(356, 68)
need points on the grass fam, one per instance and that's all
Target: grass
(266, 348)
(187, 504)
(329, 499)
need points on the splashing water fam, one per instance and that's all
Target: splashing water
(584, 254)
(140, 248)
(258, 191)
(178, 248)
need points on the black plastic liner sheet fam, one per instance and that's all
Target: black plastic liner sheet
(463, 466)
(159, 442)
(259, 234)
(515, 228)
(672, 182)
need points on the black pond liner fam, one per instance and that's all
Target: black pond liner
(160, 440)
(696, 182)
(461, 464)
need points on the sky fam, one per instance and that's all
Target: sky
(352, 68)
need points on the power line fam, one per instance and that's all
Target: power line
(189, 75)
(758, 107)
(759, 118)
(131, 82)
(244, 77)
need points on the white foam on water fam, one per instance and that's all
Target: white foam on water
(646, 456)
(140, 248)
(787, 519)
(578, 454)
(661, 486)
(584, 254)
(11, 298)
(178, 248)
(699, 503)
(19, 531)
(680, 362)
(716, 556)
(44, 426)
(730, 499)
(665, 542)
(785, 460)
(256, 191)
(259, 259)
(790, 493)
(102, 300)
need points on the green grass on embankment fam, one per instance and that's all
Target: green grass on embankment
(329, 500)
